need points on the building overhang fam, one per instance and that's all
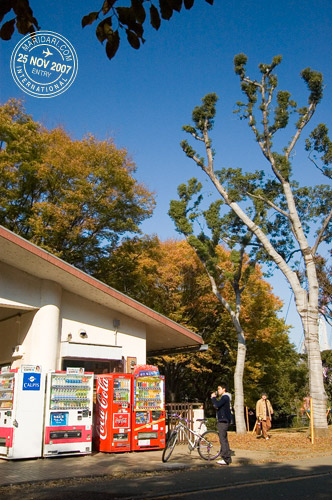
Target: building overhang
(161, 332)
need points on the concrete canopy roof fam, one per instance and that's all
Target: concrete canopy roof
(162, 334)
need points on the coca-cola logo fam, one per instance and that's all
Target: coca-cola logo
(102, 407)
(120, 420)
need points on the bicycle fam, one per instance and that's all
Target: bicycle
(207, 442)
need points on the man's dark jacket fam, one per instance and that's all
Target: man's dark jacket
(222, 406)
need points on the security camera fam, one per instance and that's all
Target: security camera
(83, 334)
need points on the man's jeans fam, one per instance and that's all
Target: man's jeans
(225, 451)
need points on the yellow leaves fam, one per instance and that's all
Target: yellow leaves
(73, 197)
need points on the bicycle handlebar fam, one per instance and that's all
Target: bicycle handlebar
(187, 420)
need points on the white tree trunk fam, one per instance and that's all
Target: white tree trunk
(238, 389)
(306, 302)
(309, 318)
(240, 358)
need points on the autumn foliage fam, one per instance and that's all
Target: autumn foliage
(74, 198)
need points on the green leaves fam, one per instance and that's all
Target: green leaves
(320, 142)
(282, 111)
(239, 64)
(314, 81)
(203, 116)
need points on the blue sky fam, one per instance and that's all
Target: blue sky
(142, 98)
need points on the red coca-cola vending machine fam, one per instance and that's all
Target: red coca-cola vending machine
(148, 417)
(112, 430)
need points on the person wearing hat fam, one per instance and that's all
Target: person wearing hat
(264, 412)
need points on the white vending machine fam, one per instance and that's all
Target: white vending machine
(68, 413)
(22, 393)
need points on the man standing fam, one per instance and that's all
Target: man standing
(224, 418)
(264, 412)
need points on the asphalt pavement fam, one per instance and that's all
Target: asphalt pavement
(138, 476)
(15, 472)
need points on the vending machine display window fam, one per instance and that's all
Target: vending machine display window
(7, 390)
(121, 391)
(148, 408)
(68, 413)
(70, 392)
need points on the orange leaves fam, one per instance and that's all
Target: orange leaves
(73, 197)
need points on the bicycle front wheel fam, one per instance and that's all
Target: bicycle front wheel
(170, 444)
(209, 445)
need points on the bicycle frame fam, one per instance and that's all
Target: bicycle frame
(205, 442)
(191, 436)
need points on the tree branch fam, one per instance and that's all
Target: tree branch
(305, 119)
(321, 233)
(270, 203)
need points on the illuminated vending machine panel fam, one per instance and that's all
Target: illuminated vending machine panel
(113, 412)
(68, 413)
(22, 393)
(148, 428)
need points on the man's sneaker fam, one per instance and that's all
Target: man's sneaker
(222, 462)
(267, 438)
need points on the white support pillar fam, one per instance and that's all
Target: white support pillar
(46, 327)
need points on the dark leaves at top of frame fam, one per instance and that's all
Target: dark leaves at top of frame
(7, 30)
(89, 19)
(112, 45)
(154, 17)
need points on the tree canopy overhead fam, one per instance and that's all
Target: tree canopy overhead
(75, 198)
(113, 17)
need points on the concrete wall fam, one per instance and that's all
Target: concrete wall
(55, 322)
(80, 315)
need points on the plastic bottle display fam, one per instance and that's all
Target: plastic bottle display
(121, 391)
(148, 394)
(6, 391)
(69, 392)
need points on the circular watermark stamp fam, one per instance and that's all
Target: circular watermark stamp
(44, 64)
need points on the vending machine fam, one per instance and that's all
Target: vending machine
(148, 417)
(22, 393)
(113, 412)
(68, 413)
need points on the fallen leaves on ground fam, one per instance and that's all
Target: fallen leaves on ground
(283, 444)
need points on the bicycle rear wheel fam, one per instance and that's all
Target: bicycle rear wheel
(209, 445)
(170, 444)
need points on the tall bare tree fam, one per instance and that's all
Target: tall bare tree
(287, 211)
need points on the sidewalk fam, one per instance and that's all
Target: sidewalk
(113, 465)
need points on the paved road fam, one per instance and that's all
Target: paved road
(306, 479)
